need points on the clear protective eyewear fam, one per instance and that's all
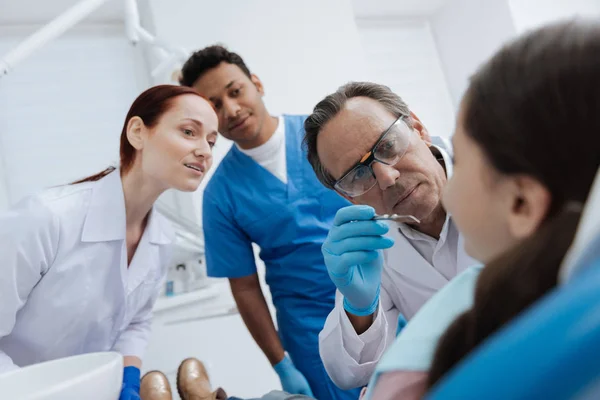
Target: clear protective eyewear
(388, 150)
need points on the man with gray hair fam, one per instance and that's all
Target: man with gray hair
(365, 143)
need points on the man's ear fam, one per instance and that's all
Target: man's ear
(135, 132)
(259, 86)
(420, 128)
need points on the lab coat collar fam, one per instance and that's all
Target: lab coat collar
(414, 234)
(105, 219)
(159, 229)
(445, 152)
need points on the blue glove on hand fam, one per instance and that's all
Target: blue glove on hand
(131, 384)
(292, 380)
(353, 257)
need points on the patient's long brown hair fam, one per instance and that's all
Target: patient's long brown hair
(534, 109)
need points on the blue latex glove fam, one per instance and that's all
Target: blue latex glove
(131, 384)
(352, 253)
(292, 380)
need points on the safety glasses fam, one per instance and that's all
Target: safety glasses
(388, 150)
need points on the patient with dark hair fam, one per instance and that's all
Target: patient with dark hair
(532, 116)
(527, 149)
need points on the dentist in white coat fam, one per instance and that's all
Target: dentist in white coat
(82, 264)
(364, 142)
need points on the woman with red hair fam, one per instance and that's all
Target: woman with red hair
(82, 264)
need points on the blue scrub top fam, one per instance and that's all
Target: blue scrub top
(245, 203)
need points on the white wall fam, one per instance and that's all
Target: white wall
(301, 50)
(529, 14)
(62, 109)
(395, 8)
(3, 180)
(402, 55)
(467, 32)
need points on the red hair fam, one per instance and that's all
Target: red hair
(149, 106)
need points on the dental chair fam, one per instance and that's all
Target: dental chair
(552, 350)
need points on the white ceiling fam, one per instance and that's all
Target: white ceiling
(16, 12)
(395, 8)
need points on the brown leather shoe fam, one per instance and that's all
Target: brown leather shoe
(193, 382)
(155, 386)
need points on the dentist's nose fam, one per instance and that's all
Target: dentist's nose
(386, 175)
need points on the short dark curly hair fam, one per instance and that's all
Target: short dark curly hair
(206, 59)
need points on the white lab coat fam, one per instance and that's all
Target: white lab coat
(65, 287)
(408, 281)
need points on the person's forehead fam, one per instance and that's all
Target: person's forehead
(193, 107)
(346, 138)
(215, 80)
(188, 106)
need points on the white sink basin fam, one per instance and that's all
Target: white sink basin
(94, 376)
